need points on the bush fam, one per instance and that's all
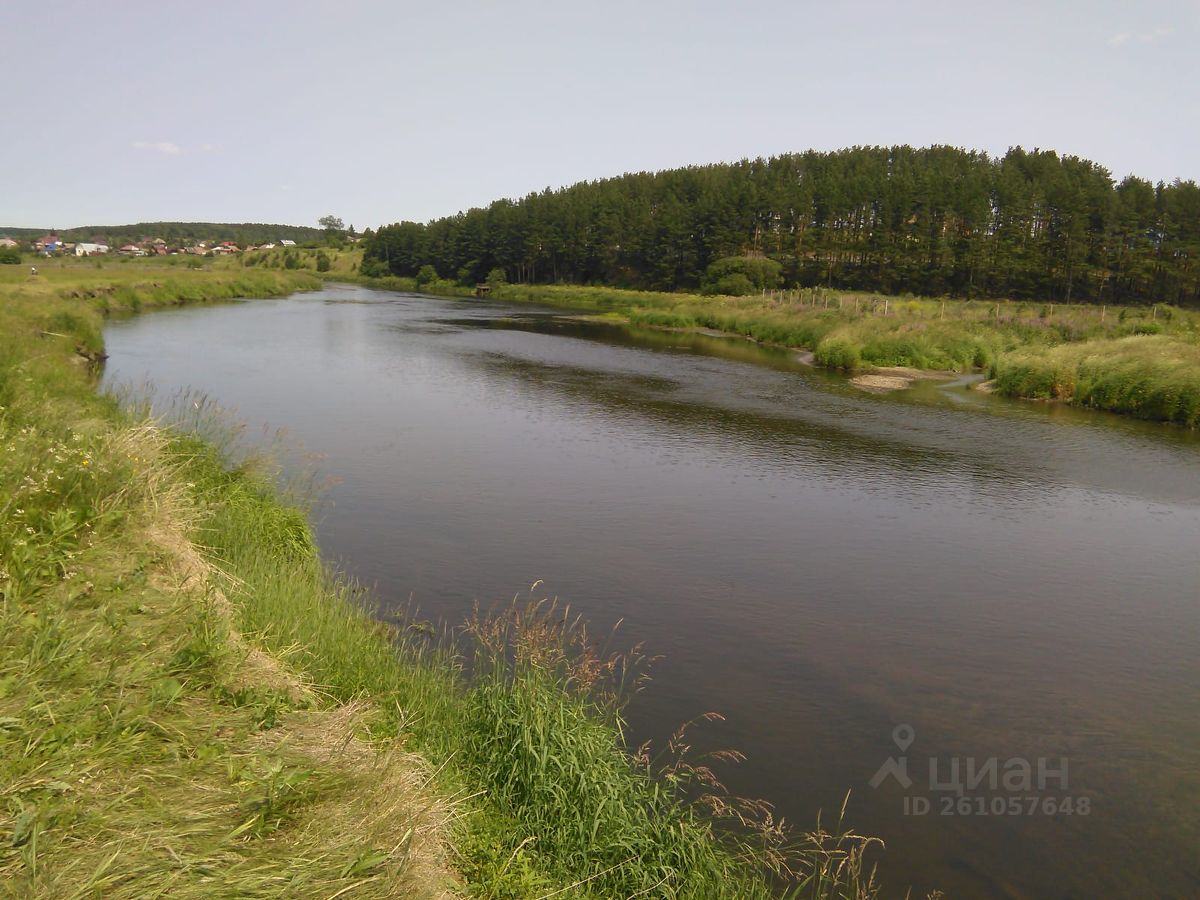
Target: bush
(758, 272)
(374, 268)
(733, 285)
(837, 353)
(322, 261)
(10, 256)
(426, 276)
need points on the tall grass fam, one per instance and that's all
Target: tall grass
(1148, 376)
(542, 732)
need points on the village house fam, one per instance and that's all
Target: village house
(286, 243)
(90, 248)
(8, 242)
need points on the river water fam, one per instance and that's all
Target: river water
(953, 582)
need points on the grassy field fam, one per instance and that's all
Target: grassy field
(1138, 361)
(192, 704)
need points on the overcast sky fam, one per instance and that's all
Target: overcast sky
(382, 111)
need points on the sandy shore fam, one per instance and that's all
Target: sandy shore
(873, 381)
(897, 378)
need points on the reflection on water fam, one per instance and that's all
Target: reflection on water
(817, 563)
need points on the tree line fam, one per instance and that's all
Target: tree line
(936, 220)
(178, 233)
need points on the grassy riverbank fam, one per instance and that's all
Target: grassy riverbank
(1143, 362)
(192, 704)
(1138, 361)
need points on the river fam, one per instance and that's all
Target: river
(946, 580)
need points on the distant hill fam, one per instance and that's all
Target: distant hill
(176, 232)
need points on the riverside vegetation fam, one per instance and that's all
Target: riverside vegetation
(1142, 361)
(193, 704)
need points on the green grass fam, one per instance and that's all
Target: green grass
(343, 261)
(145, 749)
(1149, 376)
(131, 285)
(193, 704)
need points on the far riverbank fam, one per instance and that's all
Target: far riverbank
(1142, 362)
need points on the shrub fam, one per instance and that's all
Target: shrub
(733, 285)
(757, 272)
(374, 268)
(837, 353)
(426, 276)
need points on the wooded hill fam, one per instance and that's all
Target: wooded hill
(936, 220)
(177, 233)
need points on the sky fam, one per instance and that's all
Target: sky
(379, 112)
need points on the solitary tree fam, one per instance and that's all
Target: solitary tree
(335, 230)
